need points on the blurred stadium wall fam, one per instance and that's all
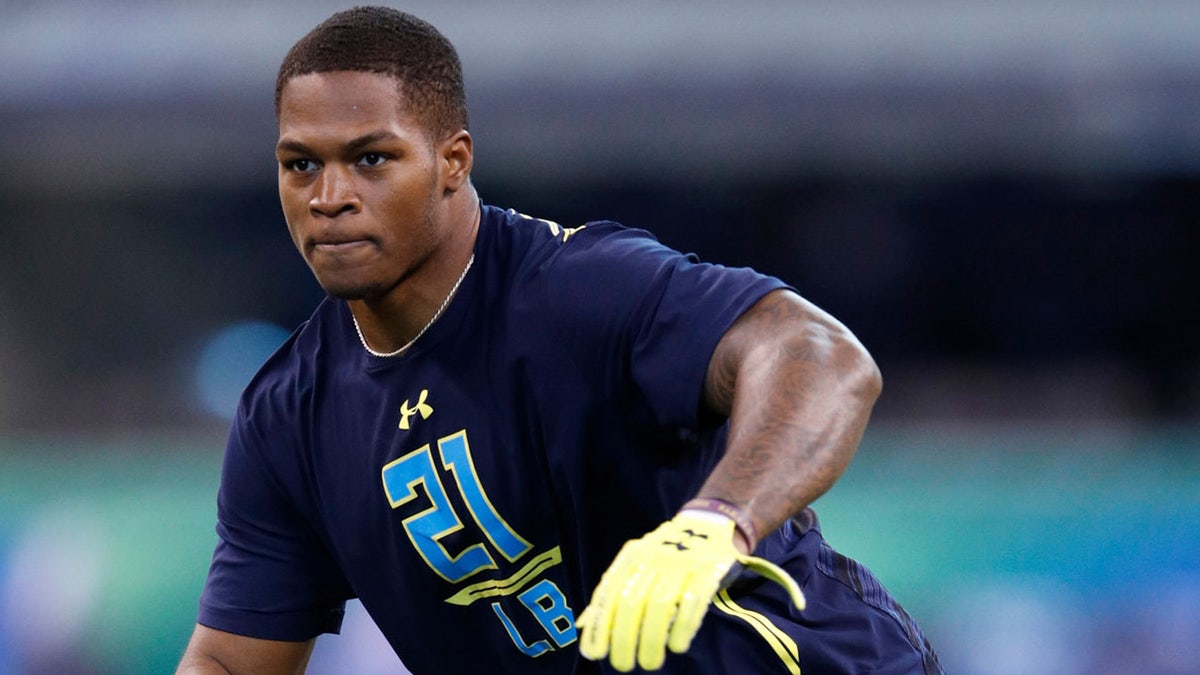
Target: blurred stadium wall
(1001, 199)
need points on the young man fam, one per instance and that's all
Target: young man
(487, 407)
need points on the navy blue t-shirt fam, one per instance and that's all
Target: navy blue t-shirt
(472, 490)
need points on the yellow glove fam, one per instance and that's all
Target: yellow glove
(657, 590)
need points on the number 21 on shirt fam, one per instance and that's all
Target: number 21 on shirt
(427, 528)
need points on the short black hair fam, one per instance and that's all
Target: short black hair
(388, 41)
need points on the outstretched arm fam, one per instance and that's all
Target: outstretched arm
(798, 388)
(214, 652)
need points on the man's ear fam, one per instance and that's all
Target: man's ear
(457, 157)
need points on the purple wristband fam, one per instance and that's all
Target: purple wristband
(741, 519)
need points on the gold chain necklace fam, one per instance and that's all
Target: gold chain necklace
(424, 328)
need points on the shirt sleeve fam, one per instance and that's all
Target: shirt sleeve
(662, 310)
(271, 576)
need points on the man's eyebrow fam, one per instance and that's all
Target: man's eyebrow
(289, 145)
(368, 139)
(351, 146)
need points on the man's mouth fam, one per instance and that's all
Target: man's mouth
(338, 243)
(334, 246)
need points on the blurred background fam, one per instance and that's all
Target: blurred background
(1001, 199)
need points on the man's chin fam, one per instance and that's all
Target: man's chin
(351, 285)
(348, 291)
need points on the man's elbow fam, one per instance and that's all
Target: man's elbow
(870, 378)
(857, 370)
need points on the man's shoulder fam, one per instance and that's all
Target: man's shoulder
(513, 232)
(508, 233)
(295, 360)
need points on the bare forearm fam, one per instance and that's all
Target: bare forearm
(798, 389)
(201, 666)
(214, 652)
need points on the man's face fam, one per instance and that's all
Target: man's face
(359, 181)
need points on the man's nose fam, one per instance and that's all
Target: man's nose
(334, 193)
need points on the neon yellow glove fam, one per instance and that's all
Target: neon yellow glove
(657, 590)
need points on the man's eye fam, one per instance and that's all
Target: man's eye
(301, 165)
(372, 159)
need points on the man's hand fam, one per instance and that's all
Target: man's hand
(657, 590)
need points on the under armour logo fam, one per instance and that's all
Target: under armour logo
(421, 407)
(691, 534)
